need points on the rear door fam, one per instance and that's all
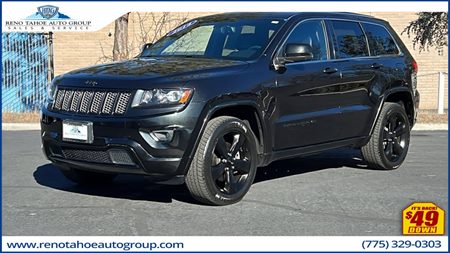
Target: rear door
(358, 90)
(386, 60)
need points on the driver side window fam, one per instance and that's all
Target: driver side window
(312, 33)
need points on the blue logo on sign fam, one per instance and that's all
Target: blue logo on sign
(48, 12)
(75, 130)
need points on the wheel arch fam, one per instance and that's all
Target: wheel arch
(246, 109)
(405, 98)
(401, 95)
(246, 112)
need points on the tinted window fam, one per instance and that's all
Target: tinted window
(231, 39)
(311, 33)
(380, 41)
(350, 39)
(249, 36)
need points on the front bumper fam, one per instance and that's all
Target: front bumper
(118, 145)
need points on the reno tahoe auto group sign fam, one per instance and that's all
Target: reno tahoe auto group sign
(46, 18)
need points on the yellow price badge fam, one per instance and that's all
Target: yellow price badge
(423, 219)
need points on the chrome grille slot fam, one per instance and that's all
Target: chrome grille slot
(95, 102)
(67, 99)
(110, 100)
(76, 101)
(59, 99)
(86, 101)
(122, 103)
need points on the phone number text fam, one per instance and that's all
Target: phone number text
(401, 244)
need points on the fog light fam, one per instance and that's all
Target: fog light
(162, 135)
(159, 139)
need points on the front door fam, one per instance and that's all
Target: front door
(307, 108)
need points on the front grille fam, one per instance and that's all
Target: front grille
(87, 155)
(95, 102)
(112, 156)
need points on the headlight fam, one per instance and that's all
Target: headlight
(51, 91)
(161, 97)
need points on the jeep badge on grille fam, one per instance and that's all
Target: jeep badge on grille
(91, 82)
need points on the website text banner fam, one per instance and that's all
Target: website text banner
(38, 16)
(217, 243)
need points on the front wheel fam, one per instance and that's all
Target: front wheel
(225, 163)
(389, 142)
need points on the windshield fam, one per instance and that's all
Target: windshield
(233, 40)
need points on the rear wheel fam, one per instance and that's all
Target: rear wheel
(83, 177)
(389, 142)
(224, 165)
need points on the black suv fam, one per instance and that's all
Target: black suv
(221, 95)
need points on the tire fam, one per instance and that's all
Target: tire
(225, 163)
(83, 177)
(389, 143)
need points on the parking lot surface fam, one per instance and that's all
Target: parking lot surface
(332, 193)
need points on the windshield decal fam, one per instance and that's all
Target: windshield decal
(182, 27)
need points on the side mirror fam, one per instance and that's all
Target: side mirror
(146, 46)
(298, 52)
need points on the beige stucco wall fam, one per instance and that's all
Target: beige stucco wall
(430, 62)
(75, 50)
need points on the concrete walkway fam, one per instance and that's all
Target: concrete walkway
(36, 126)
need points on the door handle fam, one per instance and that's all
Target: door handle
(330, 70)
(376, 65)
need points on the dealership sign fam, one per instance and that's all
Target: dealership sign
(47, 18)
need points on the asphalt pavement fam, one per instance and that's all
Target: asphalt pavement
(332, 193)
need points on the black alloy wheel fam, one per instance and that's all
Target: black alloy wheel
(389, 142)
(395, 137)
(225, 162)
(231, 162)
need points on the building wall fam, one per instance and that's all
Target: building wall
(430, 62)
(74, 50)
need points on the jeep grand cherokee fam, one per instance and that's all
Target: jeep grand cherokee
(221, 95)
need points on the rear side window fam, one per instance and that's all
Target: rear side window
(350, 39)
(380, 41)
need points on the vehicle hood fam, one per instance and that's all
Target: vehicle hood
(156, 70)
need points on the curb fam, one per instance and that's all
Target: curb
(20, 126)
(430, 127)
(36, 126)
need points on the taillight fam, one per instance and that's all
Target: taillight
(415, 66)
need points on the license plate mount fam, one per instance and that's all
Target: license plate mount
(77, 131)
